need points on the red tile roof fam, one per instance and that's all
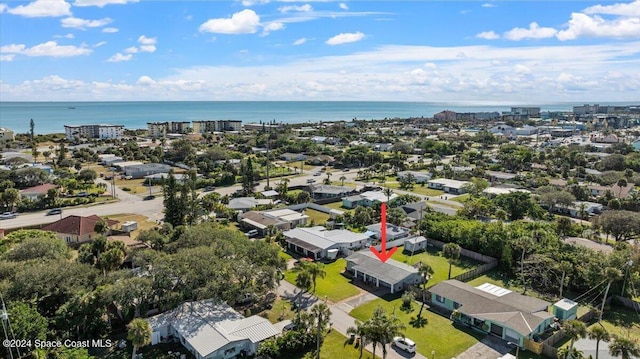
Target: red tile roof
(41, 189)
(76, 225)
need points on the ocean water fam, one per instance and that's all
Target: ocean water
(50, 117)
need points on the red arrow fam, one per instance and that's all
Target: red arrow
(383, 254)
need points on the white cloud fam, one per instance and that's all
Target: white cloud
(533, 32)
(344, 6)
(299, 8)
(582, 25)
(99, 44)
(77, 23)
(345, 38)
(521, 69)
(270, 27)
(243, 22)
(49, 48)
(147, 44)
(100, 3)
(120, 58)
(7, 58)
(621, 9)
(300, 41)
(489, 5)
(254, 2)
(3, 7)
(67, 36)
(110, 30)
(131, 50)
(42, 8)
(488, 35)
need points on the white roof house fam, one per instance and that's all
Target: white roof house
(496, 191)
(448, 185)
(211, 330)
(247, 203)
(366, 199)
(315, 242)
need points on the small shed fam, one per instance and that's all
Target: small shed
(565, 309)
(415, 244)
(332, 253)
(129, 226)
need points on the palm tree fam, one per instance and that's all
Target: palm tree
(573, 353)
(342, 178)
(574, 329)
(327, 180)
(451, 251)
(598, 333)
(139, 332)
(313, 270)
(388, 192)
(624, 347)
(612, 275)
(621, 183)
(321, 314)
(426, 272)
(564, 267)
(361, 330)
(383, 328)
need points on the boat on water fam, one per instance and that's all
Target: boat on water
(71, 107)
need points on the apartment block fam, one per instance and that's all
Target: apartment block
(103, 131)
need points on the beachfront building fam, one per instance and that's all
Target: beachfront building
(6, 135)
(102, 131)
(209, 126)
(161, 129)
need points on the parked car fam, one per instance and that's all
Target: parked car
(209, 188)
(149, 197)
(252, 233)
(405, 344)
(317, 174)
(8, 215)
(311, 180)
(54, 211)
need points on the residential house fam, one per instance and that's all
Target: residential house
(365, 266)
(492, 192)
(244, 204)
(499, 177)
(36, 193)
(419, 177)
(382, 147)
(321, 191)
(293, 157)
(415, 210)
(211, 330)
(318, 139)
(77, 229)
(319, 242)
(492, 309)
(393, 232)
(367, 199)
(283, 219)
(448, 185)
(320, 160)
(583, 209)
(139, 171)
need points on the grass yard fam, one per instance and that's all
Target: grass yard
(438, 334)
(275, 314)
(417, 189)
(334, 285)
(318, 218)
(463, 198)
(335, 346)
(621, 321)
(338, 206)
(143, 222)
(439, 263)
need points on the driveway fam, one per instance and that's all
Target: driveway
(488, 348)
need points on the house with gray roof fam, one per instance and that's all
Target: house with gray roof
(320, 191)
(244, 204)
(418, 177)
(211, 330)
(367, 199)
(393, 231)
(365, 266)
(318, 242)
(491, 309)
(448, 185)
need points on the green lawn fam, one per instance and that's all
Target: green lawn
(284, 255)
(280, 310)
(439, 263)
(621, 321)
(335, 346)
(417, 189)
(438, 334)
(338, 206)
(462, 198)
(318, 218)
(334, 285)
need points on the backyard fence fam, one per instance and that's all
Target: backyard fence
(627, 302)
(475, 273)
(465, 252)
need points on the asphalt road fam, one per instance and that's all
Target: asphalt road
(128, 203)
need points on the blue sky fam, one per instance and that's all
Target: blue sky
(472, 51)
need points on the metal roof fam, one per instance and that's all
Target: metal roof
(391, 271)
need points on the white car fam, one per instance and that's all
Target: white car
(8, 215)
(405, 344)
